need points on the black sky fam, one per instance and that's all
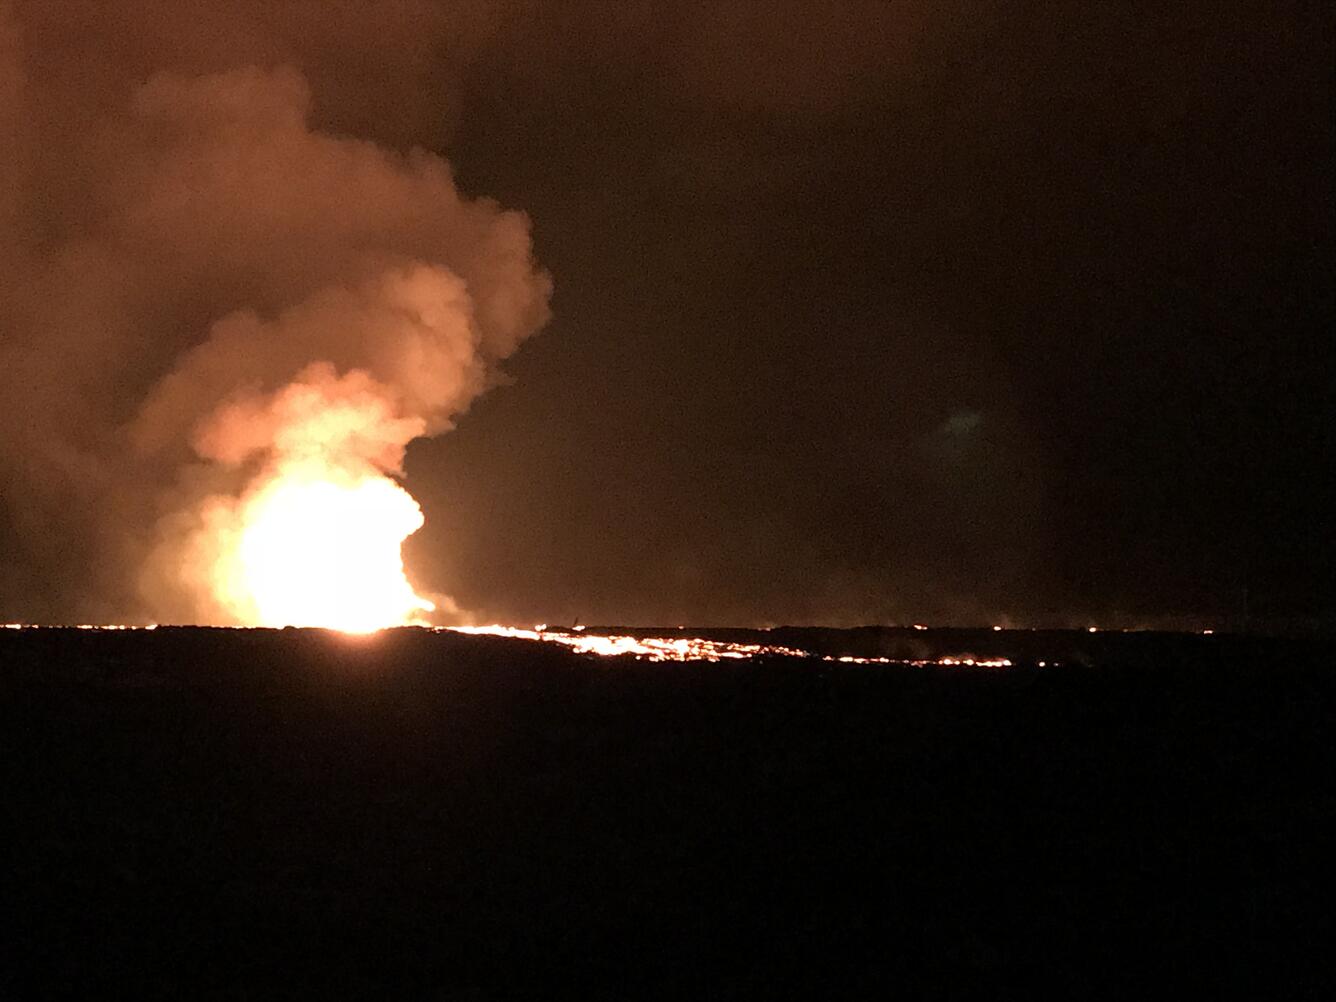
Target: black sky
(1032, 319)
(945, 312)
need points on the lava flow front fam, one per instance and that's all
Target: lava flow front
(679, 648)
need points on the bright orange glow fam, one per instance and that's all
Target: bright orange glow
(701, 649)
(320, 546)
(658, 648)
(648, 648)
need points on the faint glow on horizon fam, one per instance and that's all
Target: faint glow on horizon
(948, 662)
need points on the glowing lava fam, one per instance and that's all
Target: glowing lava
(320, 546)
(647, 648)
(703, 649)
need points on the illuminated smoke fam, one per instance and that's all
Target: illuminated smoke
(314, 539)
(224, 326)
(399, 346)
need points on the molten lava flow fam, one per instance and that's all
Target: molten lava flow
(648, 648)
(703, 649)
(320, 546)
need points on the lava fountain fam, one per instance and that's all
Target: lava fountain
(314, 537)
(322, 548)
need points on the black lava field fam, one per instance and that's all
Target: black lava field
(199, 813)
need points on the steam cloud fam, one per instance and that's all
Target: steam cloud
(191, 272)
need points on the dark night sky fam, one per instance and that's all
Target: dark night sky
(948, 312)
(1033, 320)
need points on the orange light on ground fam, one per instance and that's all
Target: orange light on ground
(702, 649)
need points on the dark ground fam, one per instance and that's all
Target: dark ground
(248, 814)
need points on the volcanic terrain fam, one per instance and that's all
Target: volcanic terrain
(424, 814)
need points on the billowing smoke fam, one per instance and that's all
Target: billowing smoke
(201, 290)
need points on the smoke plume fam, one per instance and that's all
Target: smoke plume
(198, 285)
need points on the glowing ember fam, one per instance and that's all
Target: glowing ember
(320, 546)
